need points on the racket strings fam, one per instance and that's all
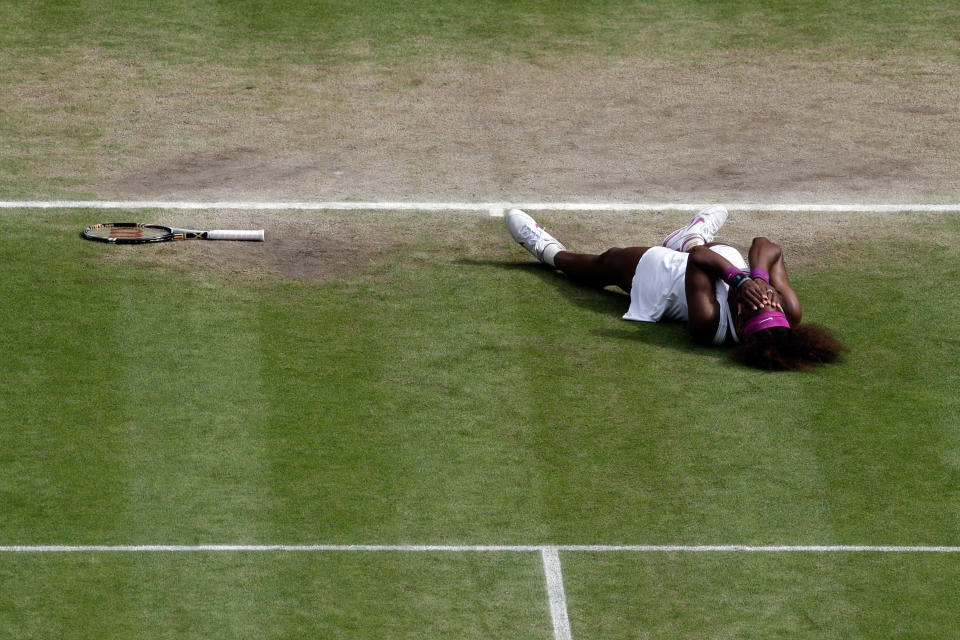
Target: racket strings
(125, 232)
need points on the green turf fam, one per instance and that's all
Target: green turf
(436, 400)
(842, 596)
(152, 407)
(293, 595)
(340, 30)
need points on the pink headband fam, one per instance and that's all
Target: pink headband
(766, 320)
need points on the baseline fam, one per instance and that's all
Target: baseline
(492, 208)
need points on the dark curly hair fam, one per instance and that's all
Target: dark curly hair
(781, 349)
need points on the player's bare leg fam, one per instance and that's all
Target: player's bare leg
(612, 267)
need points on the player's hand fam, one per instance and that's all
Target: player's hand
(760, 295)
(774, 297)
(757, 294)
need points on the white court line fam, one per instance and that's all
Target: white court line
(555, 594)
(493, 208)
(668, 548)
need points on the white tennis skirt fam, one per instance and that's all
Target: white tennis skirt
(658, 291)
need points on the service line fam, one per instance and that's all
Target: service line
(465, 548)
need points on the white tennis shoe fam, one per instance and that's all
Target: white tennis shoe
(532, 236)
(701, 230)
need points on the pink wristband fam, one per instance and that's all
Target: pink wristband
(762, 274)
(732, 273)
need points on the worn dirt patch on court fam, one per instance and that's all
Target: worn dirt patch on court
(326, 246)
(729, 129)
(775, 128)
(310, 247)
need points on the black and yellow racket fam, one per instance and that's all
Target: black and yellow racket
(141, 233)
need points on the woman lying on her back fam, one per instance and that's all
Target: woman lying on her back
(689, 279)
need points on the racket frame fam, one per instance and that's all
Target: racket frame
(169, 233)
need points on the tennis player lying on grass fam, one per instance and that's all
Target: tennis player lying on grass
(689, 279)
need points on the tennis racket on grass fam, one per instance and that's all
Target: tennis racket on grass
(140, 233)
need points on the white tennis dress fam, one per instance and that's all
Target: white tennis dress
(658, 290)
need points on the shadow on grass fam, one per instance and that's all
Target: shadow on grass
(610, 302)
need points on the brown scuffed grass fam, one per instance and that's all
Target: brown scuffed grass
(325, 246)
(731, 128)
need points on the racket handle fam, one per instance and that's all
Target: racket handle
(236, 234)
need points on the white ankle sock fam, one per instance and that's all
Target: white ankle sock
(550, 252)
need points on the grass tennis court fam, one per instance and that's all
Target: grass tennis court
(282, 411)
(407, 378)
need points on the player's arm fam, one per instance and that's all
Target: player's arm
(704, 268)
(768, 255)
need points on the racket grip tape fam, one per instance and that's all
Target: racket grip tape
(236, 234)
